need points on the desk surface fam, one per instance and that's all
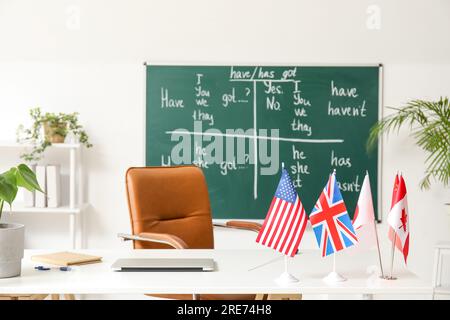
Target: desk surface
(232, 275)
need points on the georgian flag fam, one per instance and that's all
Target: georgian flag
(398, 218)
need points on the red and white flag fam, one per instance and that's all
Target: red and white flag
(286, 220)
(398, 218)
(394, 194)
(364, 218)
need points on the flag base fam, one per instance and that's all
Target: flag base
(334, 277)
(286, 278)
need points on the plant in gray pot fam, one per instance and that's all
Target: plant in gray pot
(12, 234)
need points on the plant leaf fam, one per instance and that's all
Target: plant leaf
(8, 187)
(1, 207)
(26, 178)
(429, 123)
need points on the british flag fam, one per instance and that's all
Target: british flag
(330, 221)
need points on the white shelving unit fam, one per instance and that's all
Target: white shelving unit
(76, 203)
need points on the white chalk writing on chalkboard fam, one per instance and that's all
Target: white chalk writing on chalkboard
(354, 111)
(167, 102)
(340, 161)
(201, 94)
(309, 105)
(343, 92)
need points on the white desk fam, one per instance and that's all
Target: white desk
(232, 275)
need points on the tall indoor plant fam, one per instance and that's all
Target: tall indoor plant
(429, 123)
(12, 234)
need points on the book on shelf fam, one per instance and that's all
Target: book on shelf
(41, 198)
(53, 186)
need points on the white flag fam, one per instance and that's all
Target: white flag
(364, 218)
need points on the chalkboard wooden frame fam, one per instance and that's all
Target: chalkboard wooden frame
(379, 213)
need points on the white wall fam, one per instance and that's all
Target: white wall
(95, 67)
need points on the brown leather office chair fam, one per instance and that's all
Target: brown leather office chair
(169, 208)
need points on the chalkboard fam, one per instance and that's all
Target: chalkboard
(241, 123)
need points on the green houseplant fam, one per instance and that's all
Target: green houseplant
(48, 128)
(429, 123)
(12, 234)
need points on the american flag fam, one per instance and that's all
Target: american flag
(330, 221)
(286, 221)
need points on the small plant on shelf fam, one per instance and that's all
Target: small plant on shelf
(11, 180)
(48, 128)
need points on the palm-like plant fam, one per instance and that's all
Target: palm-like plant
(429, 122)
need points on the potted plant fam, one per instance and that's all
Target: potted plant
(12, 234)
(429, 122)
(48, 128)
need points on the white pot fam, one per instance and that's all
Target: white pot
(11, 249)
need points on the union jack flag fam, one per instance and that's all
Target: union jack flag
(330, 221)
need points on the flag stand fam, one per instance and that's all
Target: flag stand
(286, 277)
(391, 277)
(333, 276)
(378, 244)
(379, 251)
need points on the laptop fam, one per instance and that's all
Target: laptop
(163, 265)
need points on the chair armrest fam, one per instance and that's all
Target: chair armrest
(246, 225)
(169, 239)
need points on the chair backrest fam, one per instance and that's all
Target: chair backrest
(172, 200)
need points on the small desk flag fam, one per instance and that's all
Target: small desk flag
(330, 220)
(286, 220)
(394, 194)
(364, 218)
(398, 218)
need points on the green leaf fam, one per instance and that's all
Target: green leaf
(1, 207)
(8, 187)
(429, 123)
(26, 178)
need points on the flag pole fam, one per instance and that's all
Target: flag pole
(334, 263)
(378, 248)
(392, 257)
(286, 264)
(391, 277)
(378, 242)
(286, 278)
(333, 276)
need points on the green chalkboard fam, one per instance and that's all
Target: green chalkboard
(312, 119)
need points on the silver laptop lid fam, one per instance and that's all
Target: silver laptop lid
(163, 265)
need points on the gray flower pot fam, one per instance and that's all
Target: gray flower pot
(11, 249)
